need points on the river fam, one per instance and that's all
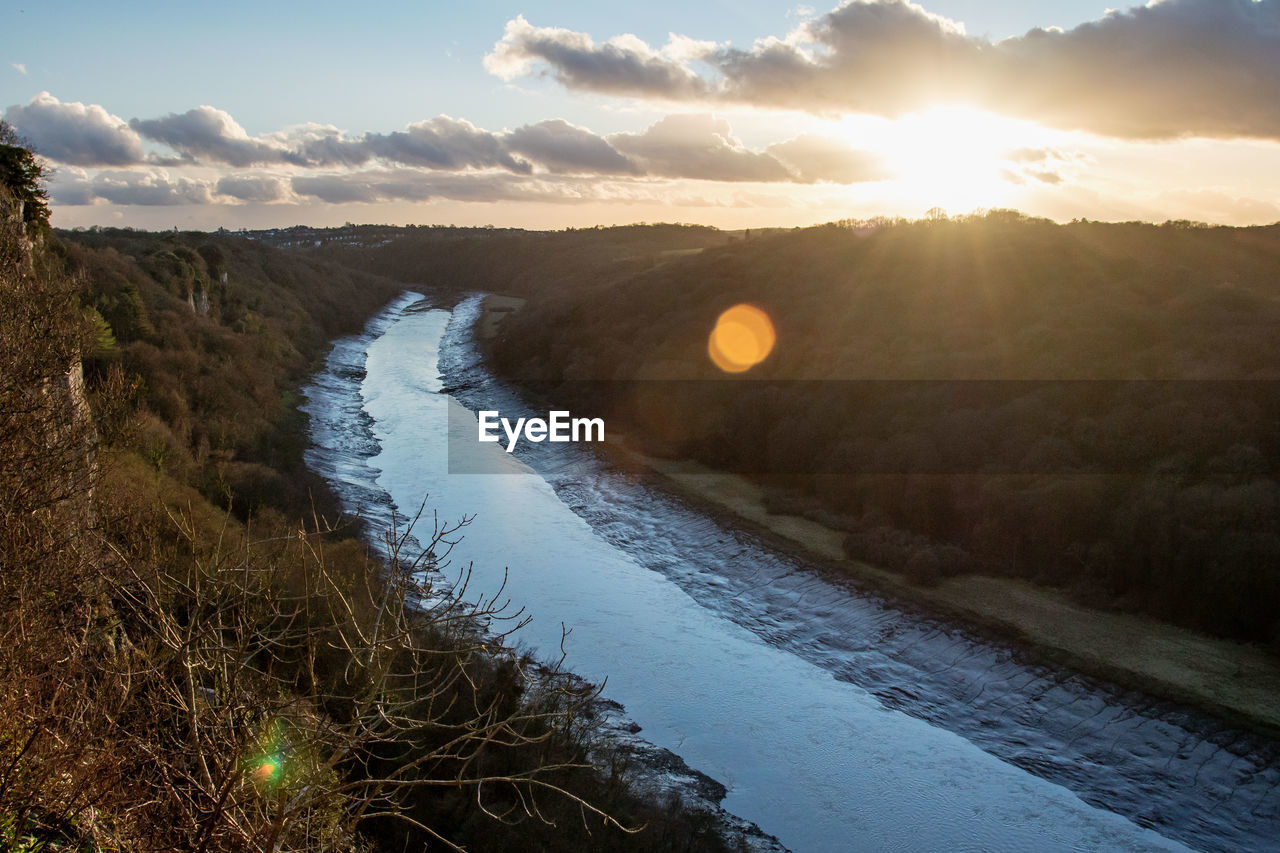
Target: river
(836, 719)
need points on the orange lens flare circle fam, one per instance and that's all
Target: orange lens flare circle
(742, 338)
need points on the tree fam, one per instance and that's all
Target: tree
(23, 175)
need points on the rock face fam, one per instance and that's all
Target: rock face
(50, 444)
(71, 431)
(15, 244)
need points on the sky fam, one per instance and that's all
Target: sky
(736, 114)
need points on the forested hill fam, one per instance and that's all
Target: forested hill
(215, 334)
(510, 261)
(1139, 495)
(995, 297)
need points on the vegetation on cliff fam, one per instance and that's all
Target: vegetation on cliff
(197, 653)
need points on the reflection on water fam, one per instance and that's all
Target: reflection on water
(836, 720)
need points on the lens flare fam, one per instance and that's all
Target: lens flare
(742, 338)
(265, 762)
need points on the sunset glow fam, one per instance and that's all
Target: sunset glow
(954, 158)
(551, 115)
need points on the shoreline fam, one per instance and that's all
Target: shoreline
(1237, 683)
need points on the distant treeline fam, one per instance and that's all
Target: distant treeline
(522, 263)
(1154, 503)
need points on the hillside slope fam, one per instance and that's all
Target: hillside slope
(1128, 453)
(198, 653)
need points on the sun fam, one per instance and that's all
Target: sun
(954, 158)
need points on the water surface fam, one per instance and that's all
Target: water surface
(838, 720)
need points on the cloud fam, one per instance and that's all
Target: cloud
(148, 187)
(71, 186)
(697, 146)
(1043, 165)
(623, 65)
(679, 146)
(1174, 68)
(414, 185)
(19, 67)
(880, 57)
(75, 133)
(444, 143)
(371, 187)
(206, 133)
(565, 148)
(1167, 69)
(819, 158)
(253, 188)
(442, 157)
(403, 185)
(439, 143)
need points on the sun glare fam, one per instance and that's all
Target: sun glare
(954, 157)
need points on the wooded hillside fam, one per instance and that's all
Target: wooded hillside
(1158, 496)
(198, 653)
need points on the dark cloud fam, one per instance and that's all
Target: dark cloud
(624, 65)
(75, 133)
(680, 146)
(206, 133)
(1172, 68)
(1178, 67)
(254, 188)
(566, 148)
(444, 143)
(819, 158)
(887, 57)
(337, 189)
(697, 146)
(325, 146)
(441, 157)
